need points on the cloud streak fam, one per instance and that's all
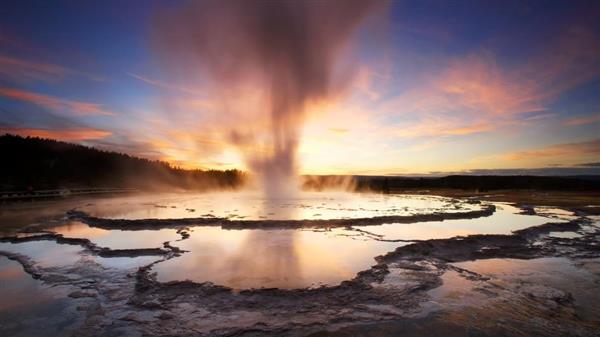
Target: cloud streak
(79, 134)
(78, 108)
(477, 93)
(165, 85)
(583, 120)
(432, 127)
(591, 147)
(18, 70)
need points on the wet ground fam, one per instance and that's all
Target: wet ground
(31, 308)
(324, 264)
(503, 297)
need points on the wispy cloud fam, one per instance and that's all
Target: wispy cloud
(478, 84)
(18, 70)
(388, 119)
(432, 127)
(472, 87)
(80, 134)
(480, 88)
(78, 108)
(166, 85)
(583, 120)
(539, 171)
(340, 131)
(15, 68)
(591, 147)
(371, 82)
(570, 59)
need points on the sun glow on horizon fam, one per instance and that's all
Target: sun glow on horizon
(429, 96)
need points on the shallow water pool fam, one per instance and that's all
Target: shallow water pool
(265, 258)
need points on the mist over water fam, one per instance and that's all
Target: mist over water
(266, 62)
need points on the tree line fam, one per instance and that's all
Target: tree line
(32, 163)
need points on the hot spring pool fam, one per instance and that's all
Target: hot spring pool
(255, 257)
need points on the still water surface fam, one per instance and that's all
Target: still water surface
(254, 258)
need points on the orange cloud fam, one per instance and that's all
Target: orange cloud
(64, 134)
(591, 147)
(432, 127)
(338, 130)
(583, 120)
(79, 108)
(475, 86)
(370, 82)
(479, 84)
(186, 148)
(478, 87)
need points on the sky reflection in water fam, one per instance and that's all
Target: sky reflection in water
(267, 258)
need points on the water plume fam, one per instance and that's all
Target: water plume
(267, 62)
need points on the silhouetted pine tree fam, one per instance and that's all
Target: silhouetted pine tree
(37, 163)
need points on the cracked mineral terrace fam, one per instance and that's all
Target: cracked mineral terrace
(464, 266)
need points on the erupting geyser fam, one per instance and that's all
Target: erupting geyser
(267, 62)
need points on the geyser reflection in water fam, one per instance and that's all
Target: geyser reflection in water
(255, 258)
(281, 258)
(278, 258)
(274, 258)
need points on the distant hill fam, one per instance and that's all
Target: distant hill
(36, 163)
(481, 183)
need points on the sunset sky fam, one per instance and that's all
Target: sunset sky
(432, 86)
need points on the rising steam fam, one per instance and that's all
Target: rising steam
(267, 62)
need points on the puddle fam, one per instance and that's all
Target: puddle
(124, 262)
(580, 279)
(240, 258)
(564, 235)
(49, 254)
(260, 258)
(29, 308)
(116, 239)
(556, 213)
(291, 259)
(519, 299)
(45, 253)
(455, 289)
(244, 259)
(505, 220)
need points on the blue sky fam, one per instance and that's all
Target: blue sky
(434, 86)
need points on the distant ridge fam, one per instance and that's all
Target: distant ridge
(32, 163)
(481, 183)
(474, 183)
